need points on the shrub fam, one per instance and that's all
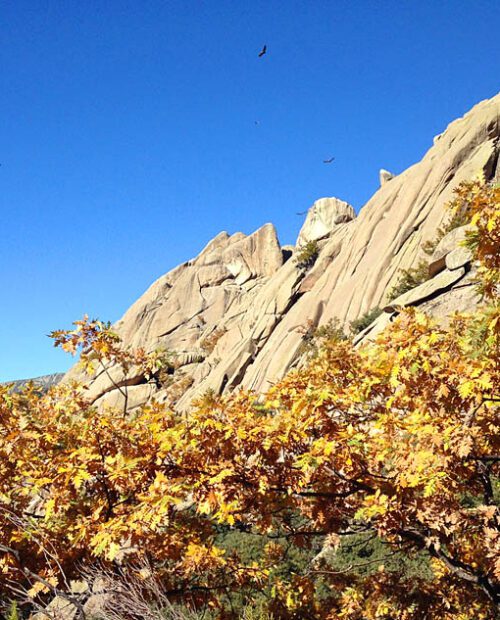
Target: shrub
(256, 612)
(165, 374)
(397, 439)
(459, 217)
(178, 388)
(409, 278)
(358, 325)
(12, 612)
(209, 343)
(315, 337)
(364, 554)
(307, 255)
(209, 398)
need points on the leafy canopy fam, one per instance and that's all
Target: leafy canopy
(395, 443)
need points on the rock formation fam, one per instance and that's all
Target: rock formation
(322, 217)
(384, 176)
(43, 383)
(235, 315)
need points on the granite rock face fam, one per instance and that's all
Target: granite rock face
(453, 240)
(235, 315)
(387, 236)
(322, 218)
(185, 308)
(426, 290)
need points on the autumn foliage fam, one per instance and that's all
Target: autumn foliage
(395, 442)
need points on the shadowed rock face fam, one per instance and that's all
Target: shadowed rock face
(251, 304)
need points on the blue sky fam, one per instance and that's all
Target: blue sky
(128, 135)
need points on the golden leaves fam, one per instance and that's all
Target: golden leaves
(394, 436)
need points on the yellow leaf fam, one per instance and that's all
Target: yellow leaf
(466, 389)
(113, 551)
(49, 508)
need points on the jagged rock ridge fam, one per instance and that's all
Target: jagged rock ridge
(43, 382)
(235, 315)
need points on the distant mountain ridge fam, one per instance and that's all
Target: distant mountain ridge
(44, 382)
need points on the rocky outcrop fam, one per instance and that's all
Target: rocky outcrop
(322, 217)
(387, 236)
(385, 176)
(449, 242)
(235, 315)
(451, 286)
(427, 290)
(184, 308)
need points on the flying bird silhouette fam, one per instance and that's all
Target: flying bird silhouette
(301, 213)
(328, 161)
(263, 51)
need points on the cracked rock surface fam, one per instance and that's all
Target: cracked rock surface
(235, 315)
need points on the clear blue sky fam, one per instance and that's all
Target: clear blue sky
(128, 135)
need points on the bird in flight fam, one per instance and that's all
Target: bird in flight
(263, 51)
(328, 161)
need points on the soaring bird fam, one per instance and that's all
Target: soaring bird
(263, 51)
(328, 161)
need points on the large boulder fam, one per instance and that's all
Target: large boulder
(254, 256)
(322, 217)
(59, 608)
(427, 290)
(459, 257)
(450, 242)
